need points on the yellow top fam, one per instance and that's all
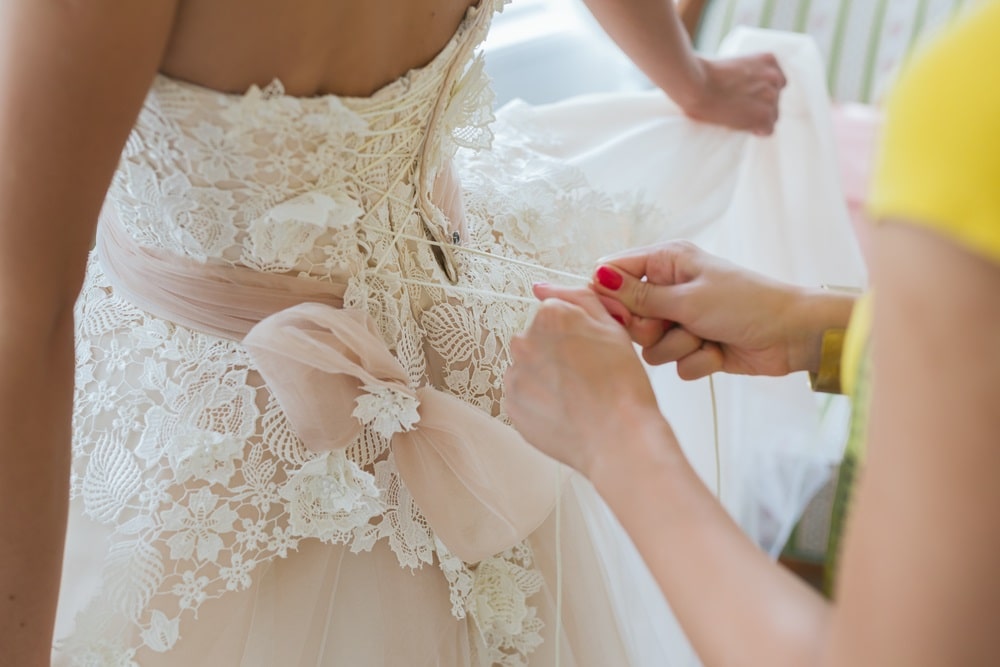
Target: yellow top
(939, 168)
(939, 164)
(855, 342)
(940, 158)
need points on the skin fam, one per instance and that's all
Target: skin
(917, 584)
(741, 93)
(74, 74)
(679, 314)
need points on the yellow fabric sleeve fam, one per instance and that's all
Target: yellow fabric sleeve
(854, 343)
(939, 165)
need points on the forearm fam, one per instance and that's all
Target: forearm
(35, 409)
(651, 33)
(735, 605)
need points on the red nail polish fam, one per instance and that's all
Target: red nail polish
(609, 278)
(619, 319)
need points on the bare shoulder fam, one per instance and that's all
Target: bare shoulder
(312, 46)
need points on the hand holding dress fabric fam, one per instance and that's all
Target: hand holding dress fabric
(741, 93)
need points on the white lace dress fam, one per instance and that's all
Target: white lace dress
(202, 530)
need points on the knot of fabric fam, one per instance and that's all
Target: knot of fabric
(481, 487)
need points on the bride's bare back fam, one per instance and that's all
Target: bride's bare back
(347, 47)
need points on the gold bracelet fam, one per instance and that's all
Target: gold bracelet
(827, 379)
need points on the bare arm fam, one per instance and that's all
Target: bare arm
(684, 305)
(739, 92)
(73, 75)
(579, 393)
(919, 583)
(918, 579)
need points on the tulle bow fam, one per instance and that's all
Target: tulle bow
(481, 487)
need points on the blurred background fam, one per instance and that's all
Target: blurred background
(546, 50)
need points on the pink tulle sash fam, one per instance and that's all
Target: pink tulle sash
(481, 487)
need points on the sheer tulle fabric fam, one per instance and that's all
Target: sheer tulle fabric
(324, 605)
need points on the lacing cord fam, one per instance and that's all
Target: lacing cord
(430, 217)
(515, 297)
(413, 146)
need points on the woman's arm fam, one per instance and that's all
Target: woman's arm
(918, 585)
(73, 75)
(578, 392)
(738, 92)
(919, 582)
(684, 305)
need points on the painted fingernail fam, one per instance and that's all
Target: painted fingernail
(608, 278)
(619, 319)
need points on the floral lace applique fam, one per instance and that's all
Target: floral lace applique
(386, 410)
(178, 444)
(330, 497)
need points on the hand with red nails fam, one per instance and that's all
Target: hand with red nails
(916, 582)
(575, 375)
(682, 304)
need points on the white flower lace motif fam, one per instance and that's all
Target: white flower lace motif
(329, 497)
(386, 410)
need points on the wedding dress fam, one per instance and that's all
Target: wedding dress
(289, 438)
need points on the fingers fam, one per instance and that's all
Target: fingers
(666, 263)
(555, 317)
(640, 297)
(644, 331)
(600, 308)
(779, 74)
(749, 89)
(771, 71)
(765, 127)
(704, 361)
(775, 81)
(567, 309)
(663, 297)
(637, 261)
(695, 357)
(673, 345)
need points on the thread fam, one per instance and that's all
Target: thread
(398, 235)
(715, 435)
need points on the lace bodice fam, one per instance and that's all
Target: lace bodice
(179, 445)
(272, 182)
